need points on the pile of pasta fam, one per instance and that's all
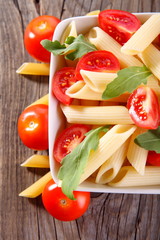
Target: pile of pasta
(118, 161)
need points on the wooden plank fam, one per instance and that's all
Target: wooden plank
(110, 216)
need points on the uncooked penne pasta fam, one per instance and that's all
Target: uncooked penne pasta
(97, 115)
(108, 145)
(97, 81)
(105, 42)
(153, 83)
(80, 90)
(136, 155)
(42, 100)
(111, 167)
(69, 31)
(36, 188)
(143, 37)
(151, 58)
(34, 69)
(128, 177)
(37, 161)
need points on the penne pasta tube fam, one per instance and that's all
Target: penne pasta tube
(95, 12)
(108, 145)
(100, 115)
(105, 42)
(153, 83)
(143, 37)
(70, 31)
(128, 177)
(136, 155)
(97, 81)
(34, 69)
(111, 167)
(151, 58)
(42, 100)
(37, 161)
(36, 188)
(80, 90)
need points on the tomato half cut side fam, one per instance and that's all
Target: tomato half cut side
(144, 108)
(60, 206)
(153, 158)
(98, 61)
(38, 29)
(120, 25)
(62, 80)
(33, 127)
(68, 140)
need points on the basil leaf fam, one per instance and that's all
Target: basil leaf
(55, 46)
(128, 79)
(149, 140)
(74, 163)
(76, 48)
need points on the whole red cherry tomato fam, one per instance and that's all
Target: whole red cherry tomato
(144, 108)
(98, 61)
(68, 140)
(33, 127)
(153, 158)
(38, 29)
(120, 25)
(60, 206)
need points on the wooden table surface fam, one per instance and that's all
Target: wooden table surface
(110, 216)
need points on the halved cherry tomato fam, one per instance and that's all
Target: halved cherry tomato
(144, 108)
(60, 206)
(120, 25)
(98, 61)
(38, 29)
(62, 80)
(33, 127)
(68, 140)
(153, 158)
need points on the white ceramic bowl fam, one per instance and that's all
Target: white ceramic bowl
(56, 118)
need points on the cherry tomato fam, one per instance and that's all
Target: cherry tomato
(144, 108)
(68, 140)
(62, 80)
(98, 61)
(60, 206)
(120, 25)
(38, 29)
(33, 127)
(153, 158)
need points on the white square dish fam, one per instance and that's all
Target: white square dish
(57, 121)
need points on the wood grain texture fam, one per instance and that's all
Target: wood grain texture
(110, 216)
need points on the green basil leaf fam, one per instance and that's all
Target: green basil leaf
(55, 46)
(74, 163)
(128, 79)
(76, 47)
(149, 140)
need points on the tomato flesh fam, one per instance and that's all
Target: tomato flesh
(68, 140)
(62, 80)
(98, 61)
(144, 108)
(60, 206)
(153, 158)
(38, 29)
(33, 127)
(120, 25)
